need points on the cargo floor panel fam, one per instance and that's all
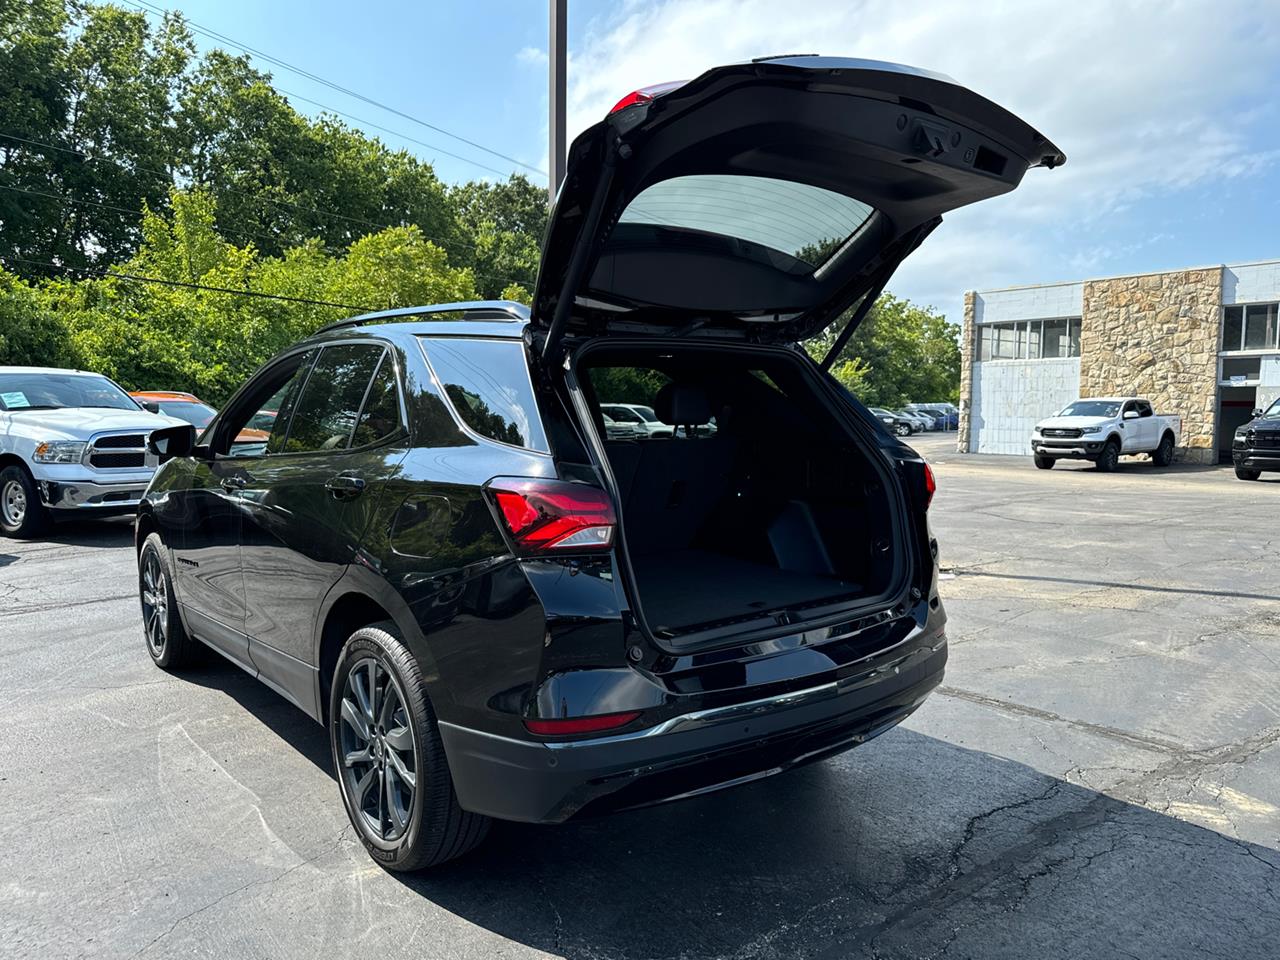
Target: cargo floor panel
(688, 588)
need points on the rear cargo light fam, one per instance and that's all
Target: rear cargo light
(553, 516)
(930, 485)
(647, 94)
(564, 726)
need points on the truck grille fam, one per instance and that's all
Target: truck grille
(128, 441)
(1269, 439)
(1064, 432)
(119, 451)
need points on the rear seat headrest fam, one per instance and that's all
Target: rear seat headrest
(682, 406)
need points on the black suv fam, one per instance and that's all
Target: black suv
(432, 545)
(1256, 445)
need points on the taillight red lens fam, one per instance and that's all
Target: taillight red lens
(647, 94)
(565, 726)
(553, 515)
(930, 485)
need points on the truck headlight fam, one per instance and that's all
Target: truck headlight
(59, 451)
(1093, 429)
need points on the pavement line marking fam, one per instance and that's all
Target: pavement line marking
(1110, 733)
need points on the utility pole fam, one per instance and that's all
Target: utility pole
(558, 50)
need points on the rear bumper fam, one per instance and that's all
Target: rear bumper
(89, 497)
(688, 754)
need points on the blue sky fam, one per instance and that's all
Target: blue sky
(1166, 111)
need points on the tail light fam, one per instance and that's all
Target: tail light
(647, 94)
(930, 485)
(553, 516)
(565, 726)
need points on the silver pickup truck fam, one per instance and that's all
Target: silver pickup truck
(71, 443)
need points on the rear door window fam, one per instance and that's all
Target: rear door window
(329, 407)
(487, 382)
(380, 417)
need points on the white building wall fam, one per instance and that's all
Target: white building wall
(1029, 303)
(1251, 283)
(1010, 396)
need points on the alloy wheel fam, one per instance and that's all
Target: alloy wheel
(379, 756)
(155, 604)
(13, 503)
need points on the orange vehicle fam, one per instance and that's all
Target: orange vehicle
(189, 407)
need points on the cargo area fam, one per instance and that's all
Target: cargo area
(760, 506)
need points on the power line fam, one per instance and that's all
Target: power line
(192, 286)
(243, 234)
(347, 91)
(394, 133)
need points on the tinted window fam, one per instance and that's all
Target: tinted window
(258, 421)
(808, 223)
(488, 384)
(381, 415)
(330, 403)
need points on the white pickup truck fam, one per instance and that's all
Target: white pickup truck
(1103, 429)
(71, 443)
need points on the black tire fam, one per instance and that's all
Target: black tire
(1109, 458)
(167, 640)
(381, 725)
(1044, 463)
(902, 430)
(1162, 456)
(1244, 473)
(22, 514)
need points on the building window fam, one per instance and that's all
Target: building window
(1253, 326)
(1029, 339)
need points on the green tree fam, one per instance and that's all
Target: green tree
(900, 353)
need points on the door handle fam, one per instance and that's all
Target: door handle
(344, 487)
(233, 484)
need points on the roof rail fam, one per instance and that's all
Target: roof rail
(470, 310)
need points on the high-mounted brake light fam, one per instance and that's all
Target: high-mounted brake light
(930, 485)
(647, 94)
(564, 726)
(553, 516)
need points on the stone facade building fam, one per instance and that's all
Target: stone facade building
(1203, 343)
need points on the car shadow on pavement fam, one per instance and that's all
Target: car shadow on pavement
(111, 532)
(908, 847)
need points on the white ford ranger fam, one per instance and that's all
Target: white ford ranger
(71, 443)
(1104, 428)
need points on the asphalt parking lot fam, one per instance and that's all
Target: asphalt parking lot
(1099, 776)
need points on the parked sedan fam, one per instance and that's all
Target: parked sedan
(898, 424)
(919, 419)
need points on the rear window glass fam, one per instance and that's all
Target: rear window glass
(487, 382)
(805, 222)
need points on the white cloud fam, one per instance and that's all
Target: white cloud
(532, 56)
(1146, 100)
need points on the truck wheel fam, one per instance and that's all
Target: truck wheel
(392, 770)
(1163, 454)
(1044, 463)
(21, 512)
(1109, 458)
(1244, 473)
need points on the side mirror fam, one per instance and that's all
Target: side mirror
(170, 442)
(1255, 412)
(150, 406)
(1131, 414)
